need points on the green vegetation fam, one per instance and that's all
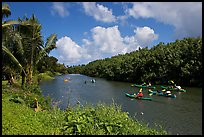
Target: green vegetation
(45, 76)
(23, 47)
(20, 118)
(180, 61)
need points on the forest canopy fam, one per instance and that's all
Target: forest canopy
(180, 61)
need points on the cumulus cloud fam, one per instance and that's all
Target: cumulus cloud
(68, 50)
(99, 12)
(186, 17)
(59, 8)
(145, 36)
(107, 42)
(104, 42)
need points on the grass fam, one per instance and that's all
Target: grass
(20, 118)
(44, 76)
(4, 82)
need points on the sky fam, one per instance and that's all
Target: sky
(87, 31)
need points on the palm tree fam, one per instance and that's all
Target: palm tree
(9, 37)
(27, 41)
(33, 44)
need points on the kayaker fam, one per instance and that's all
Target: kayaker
(178, 87)
(66, 80)
(93, 80)
(168, 93)
(164, 91)
(143, 84)
(172, 84)
(140, 93)
(150, 92)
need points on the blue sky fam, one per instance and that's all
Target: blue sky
(87, 31)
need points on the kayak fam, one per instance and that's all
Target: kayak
(141, 98)
(93, 81)
(143, 86)
(162, 94)
(173, 89)
(66, 80)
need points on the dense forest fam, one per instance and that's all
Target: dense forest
(180, 61)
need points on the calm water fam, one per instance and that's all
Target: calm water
(182, 115)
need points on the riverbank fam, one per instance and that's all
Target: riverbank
(19, 111)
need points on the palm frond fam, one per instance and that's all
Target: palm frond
(10, 22)
(50, 45)
(6, 50)
(6, 12)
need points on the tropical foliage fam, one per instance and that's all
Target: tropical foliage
(180, 61)
(23, 46)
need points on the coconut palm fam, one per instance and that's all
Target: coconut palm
(22, 57)
(10, 38)
(26, 39)
(33, 44)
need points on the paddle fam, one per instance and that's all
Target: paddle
(150, 94)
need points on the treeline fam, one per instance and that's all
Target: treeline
(180, 61)
(50, 63)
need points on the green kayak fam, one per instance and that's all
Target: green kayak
(143, 86)
(173, 89)
(161, 94)
(141, 98)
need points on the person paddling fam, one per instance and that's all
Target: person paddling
(140, 94)
(144, 84)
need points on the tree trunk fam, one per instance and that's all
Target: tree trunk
(30, 71)
(23, 79)
(29, 78)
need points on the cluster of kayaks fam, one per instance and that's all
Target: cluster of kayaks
(154, 87)
(161, 94)
(173, 89)
(155, 92)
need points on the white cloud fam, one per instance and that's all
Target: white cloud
(104, 42)
(59, 8)
(68, 50)
(99, 12)
(145, 36)
(108, 40)
(186, 17)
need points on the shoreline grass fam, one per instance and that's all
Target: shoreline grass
(20, 118)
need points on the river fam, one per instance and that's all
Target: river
(182, 115)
